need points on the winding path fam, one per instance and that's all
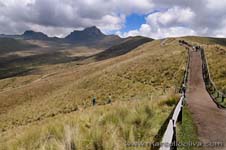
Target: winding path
(210, 120)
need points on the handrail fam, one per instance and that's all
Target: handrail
(210, 86)
(178, 109)
(169, 137)
(209, 82)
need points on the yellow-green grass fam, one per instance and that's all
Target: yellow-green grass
(207, 40)
(146, 71)
(187, 131)
(216, 57)
(142, 81)
(101, 127)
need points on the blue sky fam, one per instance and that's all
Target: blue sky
(133, 22)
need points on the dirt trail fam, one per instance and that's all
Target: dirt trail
(210, 120)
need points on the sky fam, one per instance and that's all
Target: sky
(152, 18)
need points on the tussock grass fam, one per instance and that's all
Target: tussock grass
(216, 57)
(187, 131)
(56, 112)
(150, 70)
(104, 127)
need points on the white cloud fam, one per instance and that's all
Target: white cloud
(58, 17)
(147, 31)
(216, 5)
(170, 23)
(173, 16)
(183, 17)
(67, 14)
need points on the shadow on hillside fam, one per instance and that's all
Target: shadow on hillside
(14, 72)
(15, 65)
(122, 48)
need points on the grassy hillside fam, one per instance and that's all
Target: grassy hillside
(17, 62)
(119, 49)
(100, 127)
(207, 40)
(55, 110)
(216, 57)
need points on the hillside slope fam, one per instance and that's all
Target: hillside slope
(141, 83)
(22, 56)
(124, 47)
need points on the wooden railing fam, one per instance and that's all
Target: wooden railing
(169, 139)
(216, 95)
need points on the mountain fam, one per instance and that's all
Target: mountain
(32, 35)
(88, 34)
(91, 36)
(9, 36)
(28, 35)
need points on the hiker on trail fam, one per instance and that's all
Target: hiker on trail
(197, 48)
(94, 101)
(183, 89)
(193, 48)
(109, 99)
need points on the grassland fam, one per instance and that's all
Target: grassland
(52, 108)
(100, 127)
(187, 131)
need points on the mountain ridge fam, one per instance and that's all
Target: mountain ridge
(89, 36)
(29, 34)
(92, 31)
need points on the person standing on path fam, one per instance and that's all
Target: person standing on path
(109, 99)
(94, 101)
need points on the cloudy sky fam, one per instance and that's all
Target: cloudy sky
(152, 18)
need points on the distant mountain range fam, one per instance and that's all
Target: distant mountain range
(88, 36)
(28, 35)
(31, 35)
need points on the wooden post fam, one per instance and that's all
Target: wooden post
(180, 115)
(174, 141)
(217, 93)
(213, 89)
